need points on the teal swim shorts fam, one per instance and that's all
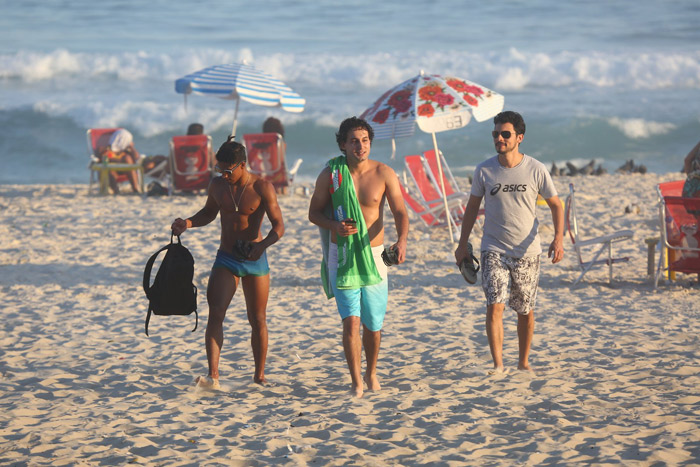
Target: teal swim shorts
(242, 268)
(369, 303)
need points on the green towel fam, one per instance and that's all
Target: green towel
(356, 266)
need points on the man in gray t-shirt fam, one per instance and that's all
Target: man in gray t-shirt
(510, 248)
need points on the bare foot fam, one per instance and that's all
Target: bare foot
(261, 381)
(499, 370)
(357, 391)
(525, 367)
(206, 382)
(372, 383)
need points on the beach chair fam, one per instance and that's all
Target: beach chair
(101, 167)
(191, 163)
(266, 157)
(429, 216)
(429, 191)
(451, 187)
(603, 243)
(680, 231)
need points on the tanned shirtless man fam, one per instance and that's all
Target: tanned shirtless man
(243, 199)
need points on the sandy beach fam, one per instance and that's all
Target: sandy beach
(616, 367)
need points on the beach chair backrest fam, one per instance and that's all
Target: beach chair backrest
(266, 157)
(190, 162)
(98, 138)
(417, 207)
(679, 216)
(416, 167)
(571, 222)
(449, 180)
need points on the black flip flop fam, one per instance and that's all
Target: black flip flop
(390, 256)
(469, 266)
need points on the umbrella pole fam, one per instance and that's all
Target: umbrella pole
(442, 188)
(235, 118)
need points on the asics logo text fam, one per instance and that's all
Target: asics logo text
(507, 188)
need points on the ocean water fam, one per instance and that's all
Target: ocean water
(604, 80)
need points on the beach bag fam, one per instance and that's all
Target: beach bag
(172, 292)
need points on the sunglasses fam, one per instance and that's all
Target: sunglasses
(227, 171)
(506, 134)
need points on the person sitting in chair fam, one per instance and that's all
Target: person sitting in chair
(274, 125)
(121, 150)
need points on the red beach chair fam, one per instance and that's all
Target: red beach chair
(680, 231)
(451, 188)
(427, 187)
(266, 157)
(191, 163)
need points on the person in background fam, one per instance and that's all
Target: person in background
(273, 125)
(691, 166)
(121, 150)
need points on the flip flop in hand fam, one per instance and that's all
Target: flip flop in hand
(469, 266)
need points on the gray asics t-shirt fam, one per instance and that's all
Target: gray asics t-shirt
(510, 199)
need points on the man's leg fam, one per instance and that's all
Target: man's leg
(256, 290)
(494, 331)
(371, 341)
(352, 344)
(526, 328)
(222, 286)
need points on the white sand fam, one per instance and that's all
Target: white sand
(617, 367)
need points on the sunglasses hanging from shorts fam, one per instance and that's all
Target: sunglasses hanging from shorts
(505, 134)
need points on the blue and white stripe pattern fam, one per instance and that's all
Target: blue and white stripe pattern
(242, 81)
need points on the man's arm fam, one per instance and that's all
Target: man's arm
(203, 217)
(274, 214)
(398, 210)
(468, 220)
(556, 248)
(317, 207)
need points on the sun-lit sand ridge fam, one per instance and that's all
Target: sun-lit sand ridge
(617, 368)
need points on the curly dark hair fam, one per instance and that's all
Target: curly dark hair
(514, 118)
(349, 124)
(231, 152)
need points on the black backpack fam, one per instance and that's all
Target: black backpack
(172, 292)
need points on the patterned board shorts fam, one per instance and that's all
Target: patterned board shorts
(496, 271)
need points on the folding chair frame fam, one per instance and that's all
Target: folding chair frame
(605, 242)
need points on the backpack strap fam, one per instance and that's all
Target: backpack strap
(196, 316)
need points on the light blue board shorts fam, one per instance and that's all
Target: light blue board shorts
(242, 268)
(369, 303)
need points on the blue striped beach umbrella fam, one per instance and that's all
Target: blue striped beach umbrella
(240, 81)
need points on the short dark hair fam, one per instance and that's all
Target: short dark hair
(273, 125)
(514, 118)
(349, 124)
(231, 152)
(195, 129)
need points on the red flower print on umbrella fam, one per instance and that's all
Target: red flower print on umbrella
(425, 110)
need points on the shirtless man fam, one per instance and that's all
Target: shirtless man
(510, 246)
(374, 183)
(243, 199)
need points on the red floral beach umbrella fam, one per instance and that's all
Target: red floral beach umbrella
(436, 103)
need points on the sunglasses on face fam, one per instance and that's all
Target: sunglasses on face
(505, 134)
(227, 171)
